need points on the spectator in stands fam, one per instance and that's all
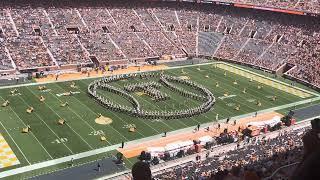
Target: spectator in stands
(309, 168)
(141, 171)
(311, 140)
(310, 165)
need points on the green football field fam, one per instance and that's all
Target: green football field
(48, 140)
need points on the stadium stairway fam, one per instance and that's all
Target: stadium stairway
(208, 42)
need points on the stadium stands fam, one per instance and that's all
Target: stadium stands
(100, 46)
(5, 62)
(296, 5)
(159, 43)
(262, 158)
(132, 45)
(230, 46)
(67, 20)
(252, 50)
(140, 31)
(98, 20)
(127, 19)
(29, 52)
(66, 50)
(32, 22)
(7, 30)
(208, 42)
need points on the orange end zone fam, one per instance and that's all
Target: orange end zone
(135, 149)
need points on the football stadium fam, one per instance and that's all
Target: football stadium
(151, 89)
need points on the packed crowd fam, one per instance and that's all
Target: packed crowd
(66, 50)
(31, 52)
(159, 43)
(132, 45)
(257, 158)
(297, 5)
(5, 62)
(138, 31)
(27, 20)
(101, 47)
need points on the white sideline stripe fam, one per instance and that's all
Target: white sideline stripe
(75, 112)
(116, 146)
(275, 80)
(113, 147)
(168, 68)
(62, 118)
(46, 125)
(14, 143)
(162, 166)
(56, 161)
(30, 132)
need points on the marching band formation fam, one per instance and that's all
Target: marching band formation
(151, 89)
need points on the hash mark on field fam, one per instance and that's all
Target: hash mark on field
(15, 143)
(96, 113)
(46, 124)
(62, 118)
(232, 87)
(194, 102)
(31, 131)
(81, 117)
(284, 87)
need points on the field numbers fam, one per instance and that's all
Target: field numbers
(157, 120)
(16, 94)
(46, 90)
(251, 100)
(96, 133)
(128, 126)
(61, 140)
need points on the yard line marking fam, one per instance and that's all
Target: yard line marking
(252, 89)
(77, 115)
(127, 122)
(227, 85)
(62, 118)
(46, 125)
(31, 131)
(15, 143)
(157, 108)
(57, 161)
(167, 68)
(113, 147)
(75, 112)
(204, 113)
(80, 136)
(96, 113)
(265, 80)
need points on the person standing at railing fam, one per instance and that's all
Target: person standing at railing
(310, 165)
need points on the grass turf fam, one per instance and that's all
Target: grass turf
(48, 140)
